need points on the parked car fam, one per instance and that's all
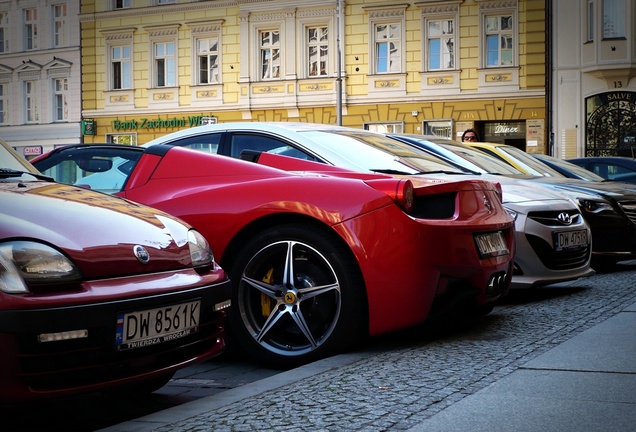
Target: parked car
(568, 169)
(617, 168)
(98, 293)
(609, 207)
(542, 216)
(322, 257)
(539, 260)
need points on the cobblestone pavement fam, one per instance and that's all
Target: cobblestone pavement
(420, 375)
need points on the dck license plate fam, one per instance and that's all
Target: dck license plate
(570, 240)
(152, 326)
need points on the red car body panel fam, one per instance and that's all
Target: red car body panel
(224, 198)
(98, 232)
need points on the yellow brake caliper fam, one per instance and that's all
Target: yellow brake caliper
(267, 302)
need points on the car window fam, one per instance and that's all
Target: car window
(104, 170)
(612, 171)
(247, 146)
(208, 143)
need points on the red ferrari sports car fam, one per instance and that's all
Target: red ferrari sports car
(321, 257)
(97, 292)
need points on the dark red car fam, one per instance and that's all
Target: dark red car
(97, 292)
(318, 259)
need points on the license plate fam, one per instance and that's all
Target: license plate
(570, 240)
(152, 326)
(491, 244)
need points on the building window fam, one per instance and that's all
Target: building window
(4, 32)
(590, 20)
(270, 61)
(165, 64)
(393, 127)
(31, 28)
(614, 13)
(59, 25)
(317, 51)
(121, 4)
(31, 101)
(120, 66)
(128, 139)
(440, 128)
(4, 104)
(160, 2)
(500, 40)
(388, 52)
(440, 44)
(60, 99)
(208, 60)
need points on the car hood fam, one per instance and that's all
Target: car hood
(66, 216)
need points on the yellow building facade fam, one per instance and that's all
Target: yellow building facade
(151, 67)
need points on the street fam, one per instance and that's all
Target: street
(394, 381)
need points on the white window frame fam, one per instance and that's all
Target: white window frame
(453, 19)
(614, 13)
(30, 20)
(589, 28)
(121, 4)
(440, 128)
(394, 15)
(272, 49)
(486, 14)
(4, 104)
(213, 72)
(118, 59)
(321, 48)
(165, 37)
(385, 127)
(31, 99)
(60, 102)
(119, 138)
(59, 26)
(4, 31)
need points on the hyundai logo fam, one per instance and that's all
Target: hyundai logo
(565, 218)
(141, 254)
(487, 204)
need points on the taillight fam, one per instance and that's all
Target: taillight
(401, 191)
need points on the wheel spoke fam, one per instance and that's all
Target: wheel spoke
(307, 293)
(272, 319)
(267, 289)
(299, 319)
(288, 274)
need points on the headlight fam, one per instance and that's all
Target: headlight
(200, 251)
(592, 206)
(23, 262)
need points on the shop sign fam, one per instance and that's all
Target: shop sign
(506, 129)
(32, 151)
(156, 123)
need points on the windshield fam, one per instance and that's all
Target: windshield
(575, 169)
(366, 151)
(12, 164)
(482, 160)
(534, 165)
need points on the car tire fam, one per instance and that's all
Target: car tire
(278, 315)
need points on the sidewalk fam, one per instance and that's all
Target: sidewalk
(587, 383)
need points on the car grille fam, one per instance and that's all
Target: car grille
(83, 362)
(558, 260)
(551, 218)
(629, 207)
